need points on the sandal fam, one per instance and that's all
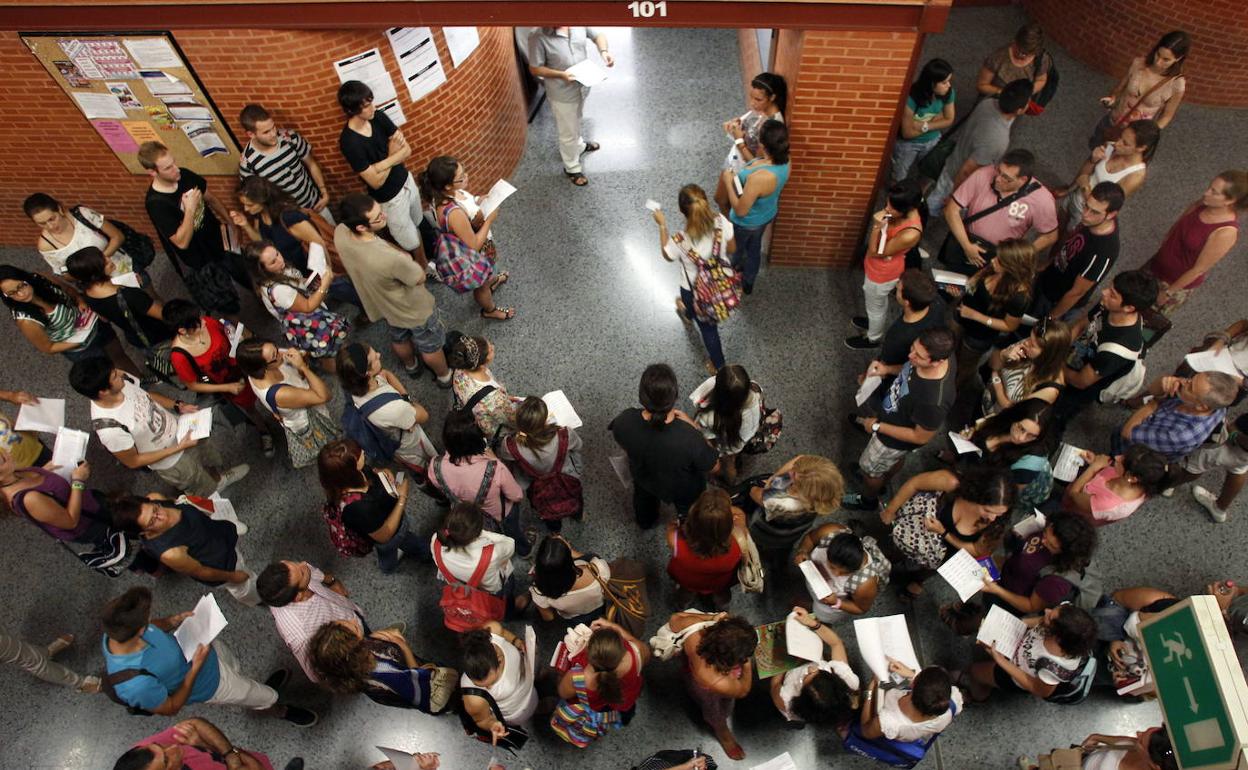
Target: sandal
(508, 313)
(498, 280)
(680, 311)
(906, 593)
(591, 147)
(577, 178)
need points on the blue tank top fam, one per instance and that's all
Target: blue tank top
(764, 208)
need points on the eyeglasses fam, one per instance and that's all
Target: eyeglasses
(1004, 177)
(21, 286)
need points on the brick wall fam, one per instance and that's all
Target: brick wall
(843, 98)
(45, 143)
(1216, 69)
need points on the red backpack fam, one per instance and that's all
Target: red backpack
(465, 607)
(553, 495)
(346, 541)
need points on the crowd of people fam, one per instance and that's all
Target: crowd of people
(978, 365)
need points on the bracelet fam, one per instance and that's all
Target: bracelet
(77, 485)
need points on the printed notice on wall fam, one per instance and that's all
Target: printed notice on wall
(154, 53)
(461, 41)
(204, 137)
(369, 69)
(417, 55)
(97, 105)
(76, 50)
(394, 112)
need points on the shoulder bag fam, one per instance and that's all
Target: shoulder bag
(667, 643)
(951, 253)
(516, 736)
(625, 592)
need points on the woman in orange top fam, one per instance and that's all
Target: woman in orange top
(895, 229)
(706, 549)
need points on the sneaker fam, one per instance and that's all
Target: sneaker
(301, 717)
(1167, 492)
(924, 253)
(747, 287)
(294, 764)
(860, 342)
(414, 371)
(231, 475)
(856, 501)
(1210, 502)
(60, 644)
(432, 274)
(860, 321)
(240, 527)
(266, 445)
(444, 384)
(278, 679)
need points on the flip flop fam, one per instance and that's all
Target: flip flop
(591, 147)
(578, 178)
(508, 313)
(498, 281)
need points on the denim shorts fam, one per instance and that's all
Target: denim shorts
(428, 337)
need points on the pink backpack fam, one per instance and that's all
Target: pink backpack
(346, 541)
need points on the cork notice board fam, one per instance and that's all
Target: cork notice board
(137, 87)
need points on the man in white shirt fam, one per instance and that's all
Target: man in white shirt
(302, 599)
(553, 51)
(141, 430)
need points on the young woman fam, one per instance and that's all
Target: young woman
(567, 582)
(752, 209)
(1204, 234)
(895, 229)
(719, 669)
(1113, 488)
(823, 692)
(994, 302)
(1123, 161)
(729, 410)
(854, 568)
(1023, 59)
(1021, 439)
(396, 415)
(600, 691)
(54, 319)
(1052, 652)
(466, 253)
(372, 503)
(293, 394)
(706, 549)
(1066, 544)
(929, 109)
(494, 410)
(1146, 750)
(536, 442)
(1031, 368)
(381, 665)
(708, 239)
(498, 689)
(1152, 89)
(768, 96)
(460, 543)
(64, 231)
(785, 503)
(306, 320)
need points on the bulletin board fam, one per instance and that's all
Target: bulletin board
(138, 87)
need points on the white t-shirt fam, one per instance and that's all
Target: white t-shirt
(514, 691)
(83, 237)
(461, 562)
(278, 297)
(1031, 649)
(296, 418)
(751, 416)
(578, 601)
(397, 419)
(896, 726)
(148, 425)
(704, 247)
(1105, 759)
(791, 686)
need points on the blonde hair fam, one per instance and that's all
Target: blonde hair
(699, 220)
(818, 482)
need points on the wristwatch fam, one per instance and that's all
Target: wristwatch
(739, 142)
(875, 427)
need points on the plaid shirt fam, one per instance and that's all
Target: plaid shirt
(298, 621)
(1174, 433)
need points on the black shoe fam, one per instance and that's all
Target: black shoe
(295, 764)
(278, 679)
(860, 342)
(301, 717)
(860, 321)
(747, 287)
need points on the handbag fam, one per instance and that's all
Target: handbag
(516, 736)
(951, 253)
(134, 244)
(1114, 130)
(625, 591)
(667, 643)
(1041, 99)
(891, 753)
(933, 163)
(460, 266)
(750, 571)
(158, 357)
(770, 426)
(575, 722)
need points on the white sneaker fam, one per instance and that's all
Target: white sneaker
(1167, 492)
(1210, 502)
(231, 475)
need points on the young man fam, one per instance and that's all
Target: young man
(1230, 455)
(1111, 329)
(917, 711)
(978, 200)
(188, 541)
(147, 670)
(391, 286)
(196, 744)
(375, 149)
(188, 220)
(552, 52)
(910, 412)
(921, 309)
(283, 157)
(302, 599)
(1083, 259)
(982, 142)
(1183, 412)
(140, 428)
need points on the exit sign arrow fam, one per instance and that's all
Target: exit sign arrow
(1191, 696)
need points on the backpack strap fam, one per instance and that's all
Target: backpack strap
(76, 211)
(561, 454)
(376, 402)
(514, 449)
(1023, 192)
(437, 559)
(128, 312)
(478, 397)
(484, 695)
(1122, 351)
(478, 574)
(487, 479)
(437, 474)
(110, 680)
(103, 423)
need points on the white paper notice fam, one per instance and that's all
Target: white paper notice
(461, 41)
(1069, 461)
(47, 416)
(153, 52)
(201, 627)
(948, 277)
(882, 638)
(126, 279)
(587, 72)
(868, 386)
(417, 55)
(368, 68)
(500, 192)
(652, 204)
(1002, 630)
(402, 760)
(963, 446)
(198, 424)
(819, 587)
(561, 411)
(1033, 524)
(1208, 361)
(204, 137)
(183, 107)
(782, 762)
(963, 573)
(236, 337)
(394, 112)
(800, 641)
(316, 259)
(163, 84)
(69, 450)
(96, 105)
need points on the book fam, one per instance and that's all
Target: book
(69, 450)
(949, 278)
(771, 656)
(1068, 463)
(881, 638)
(1033, 524)
(818, 585)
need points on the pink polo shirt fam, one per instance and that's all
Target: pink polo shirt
(1036, 209)
(195, 758)
(465, 480)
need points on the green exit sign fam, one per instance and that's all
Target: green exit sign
(1200, 684)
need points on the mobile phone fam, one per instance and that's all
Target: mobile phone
(398, 478)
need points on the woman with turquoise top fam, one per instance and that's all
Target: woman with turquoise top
(753, 196)
(928, 110)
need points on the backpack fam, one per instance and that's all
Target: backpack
(110, 680)
(717, 287)
(487, 478)
(346, 541)
(891, 753)
(1128, 384)
(554, 495)
(1088, 585)
(1077, 689)
(465, 607)
(770, 426)
(376, 443)
(134, 244)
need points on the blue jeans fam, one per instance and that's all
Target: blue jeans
(710, 331)
(905, 153)
(406, 540)
(511, 527)
(749, 254)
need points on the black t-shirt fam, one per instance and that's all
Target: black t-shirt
(979, 335)
(165, 211)
(138, 302)
(895, 346)
(211, 542)
(912, 401)
(1088, 349)
(1083, 254)
(369, 513)
(363, 151)
(670, 462)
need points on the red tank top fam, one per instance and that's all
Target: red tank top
(630, 684)
(1182, 246)
(890, 266)
(701, 575)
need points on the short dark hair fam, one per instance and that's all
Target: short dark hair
(351, 374)
(480, 655)
(124, 512)
(461, 436)
(250, 357)
(36, 202)
(182, 314)
(774, 136)
(461, 524)
(87, 267)
(1111, 194)
(1024, 159)
(1015, 96)
(1148, 465)
(918, 289)
(273, 585)
(931, 690)
(939, 343)
(127, 615)
(353, 210)
(352, 96)
(1075, 631)
(554, 570)
(824, 700)
(253, 114)
(728, 643)
(1138, 289)
(1029, 39)
(906, 195)
(137, 758)
(657, 392)
(1078, 541)
(89, 376)
(845, 551)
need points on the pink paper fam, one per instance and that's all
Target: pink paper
(119, 140)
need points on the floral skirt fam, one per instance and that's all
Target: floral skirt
(922, 548)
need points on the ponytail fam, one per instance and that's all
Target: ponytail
(436, 177)
(605, 650)
(699, 220)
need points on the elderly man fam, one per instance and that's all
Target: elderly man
(302, 599)
(1183, 413)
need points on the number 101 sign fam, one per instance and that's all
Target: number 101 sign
(645, 9)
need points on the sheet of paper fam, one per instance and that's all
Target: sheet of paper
(198, 424)
(97, 105)
(402, 760)
(460, 41)
(205, 138)
(69, 450)
(736, 185)
(153, 53)
(125, 94)
(394, 111)
(140, 130)
(588, 72)
(948, 277)
(782, 762)
(964, 573)
(316, 259)
(84, 65)
(109, 58)
(1069, 461)
(500, 192)
(47, 416)
(186, 108)
(236, 336)
(417, 55)
(819, 587)
(126, 279)
(73, 74)
(205, 622)
(882, 638)
(868, 386)
(368, 68)
(161, 83)
(83, 327)
(530, 651)
(561, 411)
(115, 136)
(652, 204)
(619, 464)
(800, 641)
(1208, 361)
(1001, 630)
(963, 446)
(1031, 525)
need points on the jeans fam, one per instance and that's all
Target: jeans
(905, 154)
(936, 198)
(875, 296)
(36, 661)
(513, 529)
(403, 211)
(342, 290)
(405, 539)
(749, 254)
(709, 330)
(646, 507)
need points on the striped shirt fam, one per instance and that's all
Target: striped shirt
(297, 622)
(283, 166)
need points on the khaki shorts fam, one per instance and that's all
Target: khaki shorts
(877, 460)
(1207, 458)
(190, 473)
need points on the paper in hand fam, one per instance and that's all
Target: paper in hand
(819, 587)
(1208, 361)
(236, 336)
(653, 205)
(500, 192)
(198, 423)
(1002, 630)
(882, 638)
(316, 259)
(948, 277)
(964, 446)
(964, 574)
(1032, 525)
(587, 73)
(1069, 461)
(782, 762)
(126, 279)
(402, 760)
(868, 386)
(204, 624)
(560, 410)
(69, 450)
(736, 185)
(46, 416)
(800, 641)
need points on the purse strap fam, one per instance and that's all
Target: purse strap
(126, 310)
(1140, 101)
(1022, 192)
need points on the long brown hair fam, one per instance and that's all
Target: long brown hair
(1017, 258)
(336, 466)
(708, 526)
(605, 650)
(532, 429)
(1055, 340)
(340, 658)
